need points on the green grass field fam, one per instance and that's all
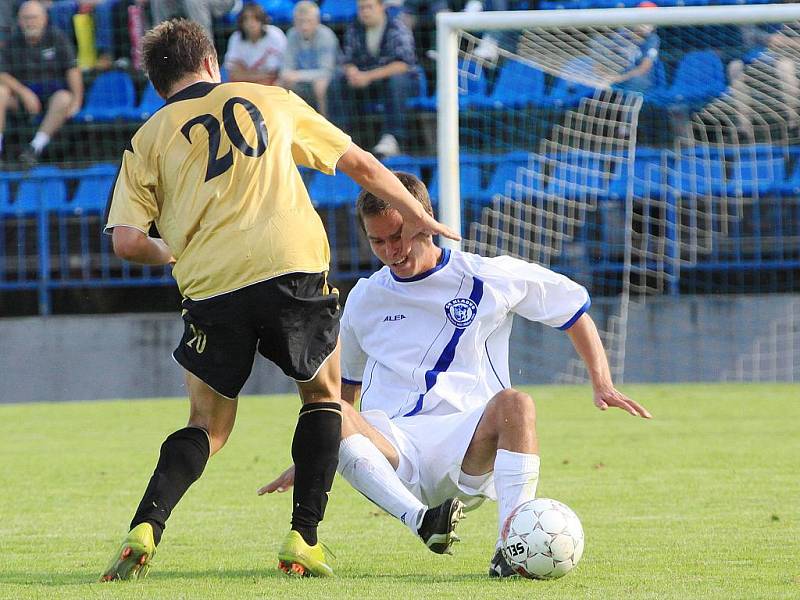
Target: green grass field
(701, 502)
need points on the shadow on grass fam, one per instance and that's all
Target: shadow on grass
(253, 575)
(82, 578)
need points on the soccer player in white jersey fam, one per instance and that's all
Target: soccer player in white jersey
(426, 341)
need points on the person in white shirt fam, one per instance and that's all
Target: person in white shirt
(255, 50)
(426, 341)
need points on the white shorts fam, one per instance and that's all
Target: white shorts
(431, 450)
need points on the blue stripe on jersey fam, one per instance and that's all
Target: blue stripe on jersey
(449, 352)
(576, 316)
(443, 260)
(350, 381)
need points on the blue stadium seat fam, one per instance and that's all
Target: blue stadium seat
(41, 187)
(279, 11)
(698, 176)
(336, 190)
(510, 170)
(757, 175)
(94, 187)
(472, 86)
(148, 105)
(338, 11)
(518, 85)
(111, 96)
(699, 77)
(566, 93)
(469, 183)
(409, 164)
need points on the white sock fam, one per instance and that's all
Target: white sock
(40, 141)
(515, 479)
(369, 472)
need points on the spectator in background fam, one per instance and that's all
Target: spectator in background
(638, 47)
(379, 59)
(776, 50)
(311, 54)
(256, 49)
(38, 69)
(201, 12)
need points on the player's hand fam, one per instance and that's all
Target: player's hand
(611, 396)
(414, 225)
(30, 101)
(284, 481)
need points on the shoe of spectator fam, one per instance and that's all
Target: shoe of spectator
(28, 158)
(387, 146)
(487, 49)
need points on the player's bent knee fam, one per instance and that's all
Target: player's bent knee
(515, 406)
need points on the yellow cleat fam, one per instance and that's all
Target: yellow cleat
(132, 560)
(298, 559)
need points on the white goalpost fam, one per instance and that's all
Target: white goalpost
(674, 201)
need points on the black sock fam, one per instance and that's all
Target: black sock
(184, 455)
(315, 450)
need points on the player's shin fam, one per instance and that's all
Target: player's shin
(515, 478)
(183, 457)
(314, 449)
(368, 471)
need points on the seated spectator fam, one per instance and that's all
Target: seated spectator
(775, 50)
(311, 54)
(379, 58)
(201, 12)
(487, 49)
(638, 47)
(38, 69)
(256, 49)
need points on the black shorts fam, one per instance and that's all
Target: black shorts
(292, 320)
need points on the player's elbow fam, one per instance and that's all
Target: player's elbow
(127, 243)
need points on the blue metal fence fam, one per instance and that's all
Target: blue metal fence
(51, 221)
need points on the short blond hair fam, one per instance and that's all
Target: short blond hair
(306, 8)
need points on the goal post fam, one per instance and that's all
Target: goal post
(685, 190)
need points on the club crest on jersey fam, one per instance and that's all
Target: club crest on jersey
(461, 312)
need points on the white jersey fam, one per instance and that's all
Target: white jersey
(437, 343)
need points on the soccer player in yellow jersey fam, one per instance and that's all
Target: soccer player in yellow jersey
(216, 171)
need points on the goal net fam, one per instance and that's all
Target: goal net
(648, 153)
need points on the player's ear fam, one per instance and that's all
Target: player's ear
(211, 67)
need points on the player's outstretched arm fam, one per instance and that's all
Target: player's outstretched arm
(368, 172)
(586, 339)
(135, 246)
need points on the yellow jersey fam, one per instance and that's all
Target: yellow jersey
(216, 171)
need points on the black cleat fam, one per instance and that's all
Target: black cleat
(438, 526)
(498, 567)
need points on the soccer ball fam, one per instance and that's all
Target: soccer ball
(542, 539)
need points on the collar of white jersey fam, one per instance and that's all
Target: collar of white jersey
(443, 260)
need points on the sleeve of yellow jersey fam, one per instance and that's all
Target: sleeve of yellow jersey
(133, 203)
(317, 143)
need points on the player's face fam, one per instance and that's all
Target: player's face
(383, 232)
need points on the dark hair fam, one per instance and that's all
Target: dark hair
(255, 10)
(369, 205)
(173, 49)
